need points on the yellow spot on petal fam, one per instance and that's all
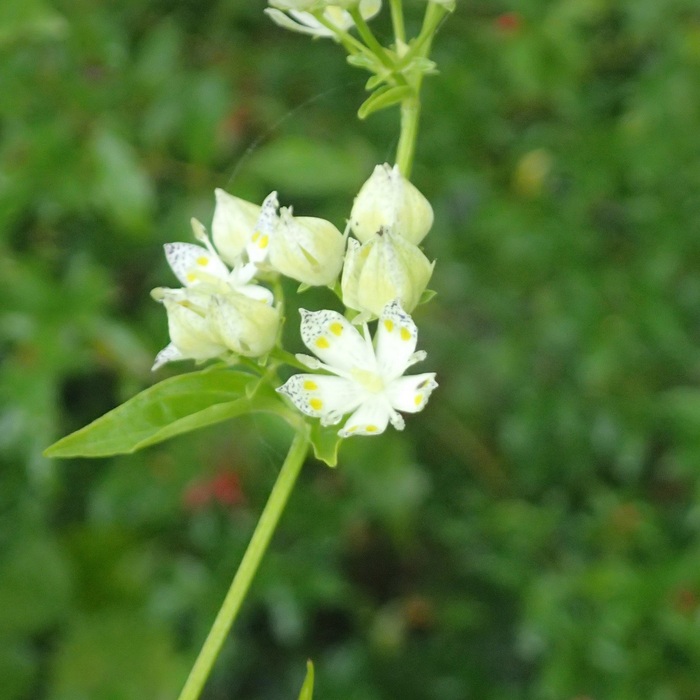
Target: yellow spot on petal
(264, 241)
(203, 261)
(309, 385)
(336, 328)
(322, 343)
(389, 324)
(255, 237)
(371, 429)
(190, 277)
(316, 404)
(418, 399)
(405, 334)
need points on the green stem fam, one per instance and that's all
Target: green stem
(410, 115)
(249, 565)
(420, 46)
(352, 45)
(397, 22)
(368, 37)
(410, 107)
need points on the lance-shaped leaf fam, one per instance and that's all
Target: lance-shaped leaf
(172, 407)
(384, 97)
(307, 690)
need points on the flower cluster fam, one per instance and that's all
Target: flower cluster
(224, 310)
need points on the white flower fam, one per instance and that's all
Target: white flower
(194, 265)
(368, 378)
(387, 199)
(307, 249)
(297, 16)
(218, 311)
(384, 268)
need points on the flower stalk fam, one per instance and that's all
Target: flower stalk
(249, 565)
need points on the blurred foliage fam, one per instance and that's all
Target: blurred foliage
(535, 533)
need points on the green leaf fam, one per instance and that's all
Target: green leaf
(306, 167)
(363, 61)
(383, 98)
(325, 441)
(307, 690)
(172, 407)
(426, 296)
(374, 82)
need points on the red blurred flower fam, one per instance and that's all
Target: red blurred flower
(223, 488)
(509, 22)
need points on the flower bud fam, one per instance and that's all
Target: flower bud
(389, 200)
(233, 225)
(204, 323)
(385, 268)
(190, 327)
(246, 326)
(307, 249)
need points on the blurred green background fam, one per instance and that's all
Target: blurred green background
(535, 532)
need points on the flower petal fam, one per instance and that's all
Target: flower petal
(169, 353)
(410, 394)
(191, 262)
(258, 247)
(233, 224)
(327, 398)
(371, 418)
(306, 24)
(396, 340)
(331, 337)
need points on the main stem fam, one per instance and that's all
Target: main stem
(249, 565)
(410, 107)
(410, 115)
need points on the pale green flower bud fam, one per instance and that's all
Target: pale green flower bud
(385, 268)
(189, 324)
(388, 200)
(246, 326)
(204, 323)
(233, 225)
(307, 249)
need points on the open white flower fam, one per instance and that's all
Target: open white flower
(194, 265)
(368, 378)
(297, 16)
